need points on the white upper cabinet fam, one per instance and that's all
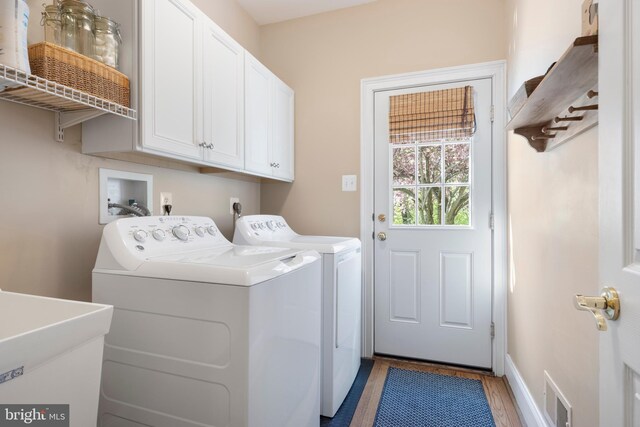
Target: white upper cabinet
(201, 97)
(268, 122)
(283, 129)
(223, 98)
(170, 77)
(258, 126)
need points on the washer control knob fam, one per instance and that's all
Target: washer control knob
(181, 232)
(212, 230)
(254, 226)
(262, 226)
(199, 231)
(140, 235)
(271, 225)
(158, 235)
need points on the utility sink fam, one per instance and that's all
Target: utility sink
(51, 353)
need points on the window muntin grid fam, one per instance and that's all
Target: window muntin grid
(431, 184)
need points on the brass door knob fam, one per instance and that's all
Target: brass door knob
(606, 306)
(382, 236)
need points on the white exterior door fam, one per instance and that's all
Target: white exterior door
(223, 98)
(619, 158)
(433, 273)
(170, 77)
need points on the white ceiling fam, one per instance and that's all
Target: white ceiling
(270, 11)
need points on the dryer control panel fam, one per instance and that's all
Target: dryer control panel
(264, 228)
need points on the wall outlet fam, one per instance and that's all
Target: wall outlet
(231, 202)
(349, 182)
(165, 199)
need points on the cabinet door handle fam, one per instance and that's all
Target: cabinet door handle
(202, 144)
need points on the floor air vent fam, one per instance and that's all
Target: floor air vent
(557, 409)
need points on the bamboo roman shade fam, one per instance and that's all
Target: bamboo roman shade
(446, 114)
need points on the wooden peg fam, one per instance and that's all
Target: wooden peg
(542, 137)
(554, 129)
(592, 94)
(568, 119)
(583, 108)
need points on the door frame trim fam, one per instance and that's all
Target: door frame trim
(495, 70)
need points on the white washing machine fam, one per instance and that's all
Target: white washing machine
(341, 298)
(204, 332)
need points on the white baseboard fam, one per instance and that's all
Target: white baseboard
(530, 412)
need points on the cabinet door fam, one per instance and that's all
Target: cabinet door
(170, 77)
(282, 154)
(223, 81)
(258, 129)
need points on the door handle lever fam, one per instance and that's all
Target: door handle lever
(606, 306)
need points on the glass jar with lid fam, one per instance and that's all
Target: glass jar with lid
(52, 24)
(78, 31)
(108, 41)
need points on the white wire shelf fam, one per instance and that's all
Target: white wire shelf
(72, 105)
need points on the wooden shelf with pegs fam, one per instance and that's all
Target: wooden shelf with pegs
(565, 103)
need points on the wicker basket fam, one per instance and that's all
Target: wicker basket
(77, 71)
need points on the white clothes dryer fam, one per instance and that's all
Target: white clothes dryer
(341, 298)
(204, 332)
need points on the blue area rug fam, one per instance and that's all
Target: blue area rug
(422, 399)
(345, 413)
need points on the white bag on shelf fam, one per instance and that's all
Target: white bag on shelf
(14, 22)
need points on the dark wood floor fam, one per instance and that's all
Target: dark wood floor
(497, 390)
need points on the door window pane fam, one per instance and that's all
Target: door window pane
(430, 206)
(456, 163)
(457, 205)
(404, 166)
(404, 206)
(430, 164)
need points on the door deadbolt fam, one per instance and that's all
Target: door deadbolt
(382, 217)
(382, 236)
(606, 306)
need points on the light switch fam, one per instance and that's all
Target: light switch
(349, 182)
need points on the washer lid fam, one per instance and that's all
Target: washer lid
(243, 257)
(236, 265)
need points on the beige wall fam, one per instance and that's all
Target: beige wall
(49, 231)
(553, 206)
(229, 15)
(324, 57)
